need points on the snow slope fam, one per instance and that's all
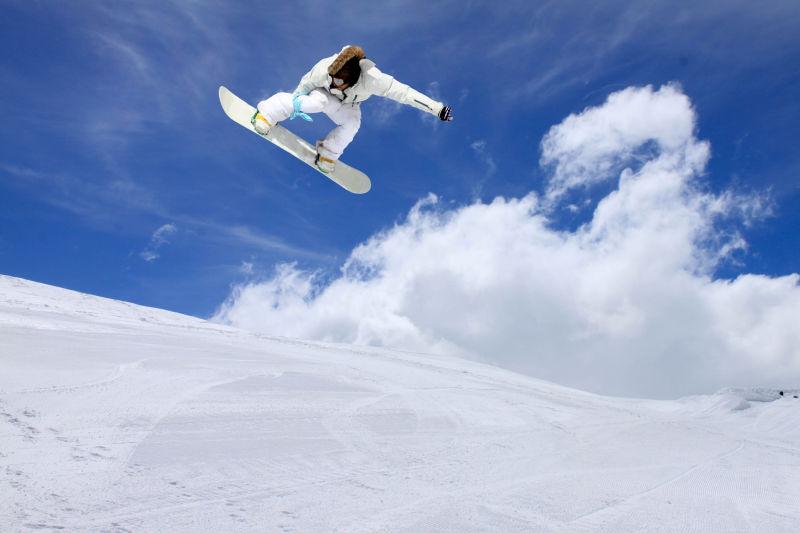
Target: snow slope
(115, 417)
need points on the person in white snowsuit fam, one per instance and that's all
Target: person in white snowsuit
(336, 86)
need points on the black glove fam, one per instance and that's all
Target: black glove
(446, 113)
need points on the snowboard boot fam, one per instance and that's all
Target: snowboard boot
(326, 165)
(260, 123)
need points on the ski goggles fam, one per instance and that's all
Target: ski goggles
(338, 81)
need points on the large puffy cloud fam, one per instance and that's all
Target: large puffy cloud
(625, 304)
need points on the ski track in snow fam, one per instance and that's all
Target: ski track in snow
(115, 417)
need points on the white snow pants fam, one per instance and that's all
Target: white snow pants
(347, 117)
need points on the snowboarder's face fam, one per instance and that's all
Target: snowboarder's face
(347, 75)
(339, 83)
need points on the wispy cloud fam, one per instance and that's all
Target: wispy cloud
(264, 242)
(479, 148)
(568, 45)
(247, 268)
(385, 111)
(133, 60)
(235, 239)
(99, 204)
(159, 238)
(96, 200)
(158, 61)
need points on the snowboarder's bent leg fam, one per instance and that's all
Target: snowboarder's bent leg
(347, 119)
(280, 106)
(313, 102)
(276, 108)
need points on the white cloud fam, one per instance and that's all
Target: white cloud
(159, 238)
(625, 304)
(590, 147)
(246, 268)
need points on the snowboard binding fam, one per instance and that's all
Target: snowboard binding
(260, 124)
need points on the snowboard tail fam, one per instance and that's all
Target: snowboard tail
(241, 112)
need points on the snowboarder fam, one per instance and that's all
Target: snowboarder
(336, 86)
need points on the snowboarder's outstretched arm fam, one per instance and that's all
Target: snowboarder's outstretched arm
(366, 81)
(385, 85)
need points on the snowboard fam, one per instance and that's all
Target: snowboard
(241, 112)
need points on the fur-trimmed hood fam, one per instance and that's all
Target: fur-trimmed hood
(347, 53)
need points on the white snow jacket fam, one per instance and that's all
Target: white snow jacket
(371, 82)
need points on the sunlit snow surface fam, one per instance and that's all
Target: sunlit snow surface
(115, 417)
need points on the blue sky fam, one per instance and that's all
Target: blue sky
(121, 176)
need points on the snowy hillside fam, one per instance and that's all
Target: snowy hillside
(115, 417)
